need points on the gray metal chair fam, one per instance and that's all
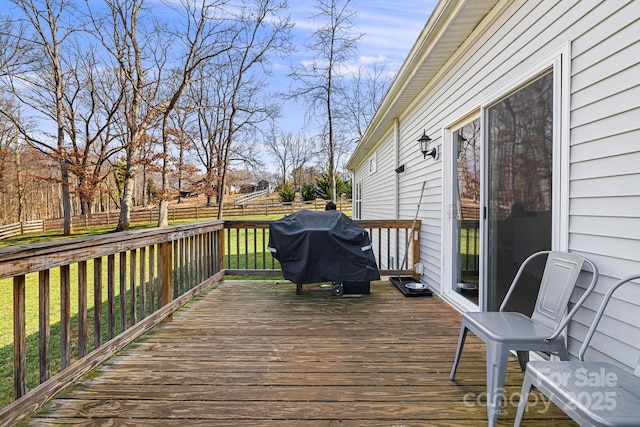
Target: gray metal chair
(591, 393)
(505, 331)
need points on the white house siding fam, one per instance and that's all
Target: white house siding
(605, 168)
(603, 198)
(378, 195)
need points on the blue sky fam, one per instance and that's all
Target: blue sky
(389, 29)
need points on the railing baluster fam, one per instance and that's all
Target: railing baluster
(111, 296)
(152, 279)
(123, 290)
(44, 324)
(65, 317)
(97, 302)
(177, 283)
(83, 333)
(191, 251)
(19, 337)
(237, 254)
(246, 248)
(132, 286)
(143, 285)
(159, 274)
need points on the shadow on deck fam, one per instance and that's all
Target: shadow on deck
(252, 353)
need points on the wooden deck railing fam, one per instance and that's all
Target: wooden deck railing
(248, 255)
(114, 287)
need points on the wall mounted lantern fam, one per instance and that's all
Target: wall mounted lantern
(424, 141)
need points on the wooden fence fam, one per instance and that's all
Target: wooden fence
(197, 213)
(149, 274)
(18, 228)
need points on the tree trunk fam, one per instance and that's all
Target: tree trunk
(19, 184)
(163, 213)
(126, 203)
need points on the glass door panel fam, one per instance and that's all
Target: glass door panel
(519, 153)
(466, 227)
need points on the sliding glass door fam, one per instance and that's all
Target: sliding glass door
(500, 204)
(519, 184)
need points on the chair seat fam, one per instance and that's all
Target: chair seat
(599, 393)
(507, 327)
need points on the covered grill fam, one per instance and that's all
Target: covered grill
(324, 246)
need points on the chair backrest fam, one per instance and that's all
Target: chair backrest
(600, 312)
(558, 280)
(560, 275)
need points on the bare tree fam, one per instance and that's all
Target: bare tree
(10, 157)
(208, 126)
(202, 38)
(321, 78)
(15, 51)
(133, 46)
(92, 102)
(43, 87)
(263, 31)
(292, 152)
(364, 95)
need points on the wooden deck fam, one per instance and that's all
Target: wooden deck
(252, 353)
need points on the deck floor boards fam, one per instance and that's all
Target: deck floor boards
(252, 353)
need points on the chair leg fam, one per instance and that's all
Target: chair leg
(461, 338)
(563, 354)
(523, 358)
(524, 398)
(497, 357)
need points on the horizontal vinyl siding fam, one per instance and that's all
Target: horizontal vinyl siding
(378, 191)
(605, 173)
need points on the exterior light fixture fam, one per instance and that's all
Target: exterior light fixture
(424, 141)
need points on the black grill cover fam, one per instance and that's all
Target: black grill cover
(322, 246)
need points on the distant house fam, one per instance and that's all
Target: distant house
(533, 108)
(248, 188)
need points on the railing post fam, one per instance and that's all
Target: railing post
(19, 337)
(221, 245)
(416, 246)
(166, 284)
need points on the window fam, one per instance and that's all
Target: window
(357, 201)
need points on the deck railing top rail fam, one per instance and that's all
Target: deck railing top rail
(15, 260)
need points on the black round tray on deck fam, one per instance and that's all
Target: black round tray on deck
(410, 287)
